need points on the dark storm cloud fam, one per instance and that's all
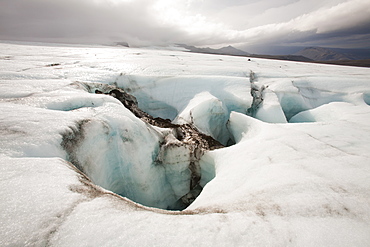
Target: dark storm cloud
(342, 25)
(244, 23)
(357, 36)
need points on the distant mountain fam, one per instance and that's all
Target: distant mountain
(228, 50)
(349, 57)
(121, 43)
(231, 50)
(358, 53)
(357, 63)
(323, 54)
(297, 58)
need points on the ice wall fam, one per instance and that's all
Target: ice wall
(147, 159)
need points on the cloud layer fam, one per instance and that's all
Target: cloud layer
(249, 24)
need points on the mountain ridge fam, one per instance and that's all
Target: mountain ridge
(323, 54)
(313, 54)
(227, 50)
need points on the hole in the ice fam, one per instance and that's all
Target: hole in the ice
(160, 168)
(366, 97)
(307, 98)
(291, 104)
(303, 117)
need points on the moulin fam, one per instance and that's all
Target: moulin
(183, 141)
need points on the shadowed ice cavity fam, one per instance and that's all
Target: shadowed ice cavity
(311, 97)
(148, 160)
(301, 97)
(294, 103)
(168, 98)
(366, 97)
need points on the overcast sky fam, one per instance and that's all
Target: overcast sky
(253, 25)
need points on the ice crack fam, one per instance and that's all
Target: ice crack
(257, 95)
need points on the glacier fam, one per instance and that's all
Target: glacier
(80, 167)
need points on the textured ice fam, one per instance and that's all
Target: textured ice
(208, 114)
(301, 183)
(169, 91)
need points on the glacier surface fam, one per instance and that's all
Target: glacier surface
(80, 169)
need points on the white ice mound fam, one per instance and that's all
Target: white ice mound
(270, 110)
(208, 114)
(243, 127)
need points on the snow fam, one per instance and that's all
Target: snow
(298, 174)
(28, 218)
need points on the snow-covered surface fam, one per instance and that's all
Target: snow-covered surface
(298, 175)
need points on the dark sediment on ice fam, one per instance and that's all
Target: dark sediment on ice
(186, 133)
